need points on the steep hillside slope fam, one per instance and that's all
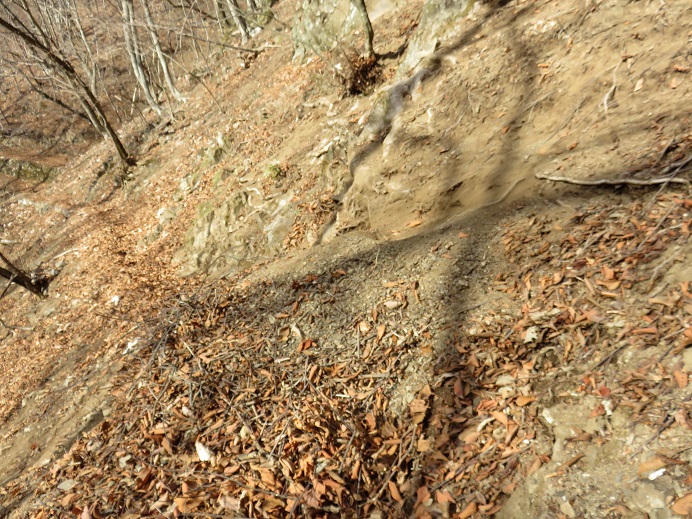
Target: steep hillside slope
(304, 303)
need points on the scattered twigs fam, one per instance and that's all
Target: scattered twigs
(7, 286)
(665, 150)
(66, 253)
(678, 168)
(456, 474)
(456, 123)
(665, 424)
(505, 194)
(12, 327)
(533, 104)
(580, 103)
(655, 229)
(672, 346)
(567, 119)
(348, 447)
(611, 355)
(396, 464)
(252, 435)
(562, 468)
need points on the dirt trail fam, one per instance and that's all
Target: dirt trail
(451, 335)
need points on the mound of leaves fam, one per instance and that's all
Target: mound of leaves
(363, 75)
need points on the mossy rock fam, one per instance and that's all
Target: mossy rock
(221, 176)
(276, 172)
(26, 170)
(263, 18)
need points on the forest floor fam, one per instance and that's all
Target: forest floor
(455, 337)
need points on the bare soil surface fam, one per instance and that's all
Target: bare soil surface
(304, 304)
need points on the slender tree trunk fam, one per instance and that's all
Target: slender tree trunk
(71, 75)
(93, 118)
(90, 67)
(238, 19)
(110, 131)
(132, 46)
(369, 34)
(222, 16)
(159, 53)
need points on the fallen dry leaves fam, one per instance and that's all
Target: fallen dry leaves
(236, 407)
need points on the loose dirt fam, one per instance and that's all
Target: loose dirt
(399, 318)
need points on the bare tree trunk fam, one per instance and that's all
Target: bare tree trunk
(222, 15)
(90, 67)
(159, 53)
(82, 90)
(24, 282)
(93, 118)
(369, 34)
(238, 19)
(132, 46)
(122, 152)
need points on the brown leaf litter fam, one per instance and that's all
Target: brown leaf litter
(235, 408)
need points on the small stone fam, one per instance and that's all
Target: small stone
(548, 416)
(567, 509)
(122, 462)
(203, 452)
(648, 497)
(67, 485)
(687, 359)
(504, 380)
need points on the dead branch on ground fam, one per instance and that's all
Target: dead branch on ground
(675, 167)
(14, 275)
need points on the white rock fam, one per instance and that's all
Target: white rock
(67, 485)
(203, 452)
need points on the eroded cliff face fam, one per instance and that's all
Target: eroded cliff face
(233, 233)
(318, 26)
(237, 227)
(438, 22)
